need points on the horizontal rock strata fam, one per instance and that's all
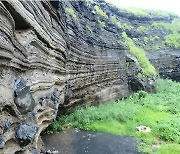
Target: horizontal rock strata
(53, 59)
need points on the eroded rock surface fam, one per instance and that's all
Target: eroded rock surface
(51, 61)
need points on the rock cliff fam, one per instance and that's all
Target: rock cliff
(56, 55)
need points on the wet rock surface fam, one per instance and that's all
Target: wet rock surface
(80, 142)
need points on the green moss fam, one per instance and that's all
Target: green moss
(119, 24)
(142, 29)
(147, 68)
(135, 39)
(146, 39)
(151, 39)
(155, 47)
(114, 20)
(100, 11)
(126, 26)
(102, 24)
(71, 12)
(89, 29)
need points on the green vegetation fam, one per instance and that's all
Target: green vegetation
(145, 12)
(100, 11)
(147, 68)
(71, 12)
(142, 29)
(146, 39)
(174, 26)
(161, 25)
(151, 39)
(113, 19)
(172, 40)
(155, 47)
(160, 112)
(135, 39)
(89, 29)
(102, 24)
(120, 25)
(169, 149)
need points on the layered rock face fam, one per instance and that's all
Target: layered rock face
(168, 63)
(55, 56)
(33, 55)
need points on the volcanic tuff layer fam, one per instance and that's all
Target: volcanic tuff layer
(55, 56)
